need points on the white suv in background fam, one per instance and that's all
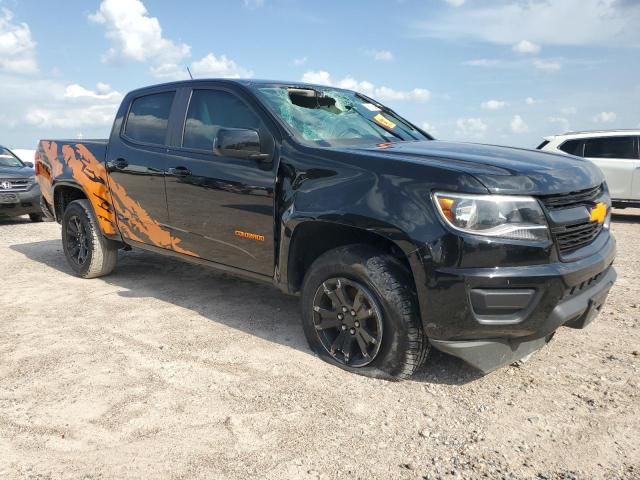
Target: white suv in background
(616, 152)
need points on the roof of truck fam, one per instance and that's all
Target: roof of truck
(238, 81)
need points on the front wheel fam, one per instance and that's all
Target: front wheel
(88, 252)
(36, 217)
(360, 312)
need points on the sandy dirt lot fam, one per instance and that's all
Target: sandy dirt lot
(168, 370)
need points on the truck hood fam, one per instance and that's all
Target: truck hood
(499, 169)
(13, 172)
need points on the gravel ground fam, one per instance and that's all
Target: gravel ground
(167, 370)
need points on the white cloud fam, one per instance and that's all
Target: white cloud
(43, 107)
(562, 121)
(102, 92)
(209, 66)
(72, 106)
(71, 118)
(300, 61)
(593, 22)
(382, 93)
(134, 35)
(320, 77)
(455, 3)
(253, 3)
(17, 48)
(484, 62)
(604, 117)
(492, 105)
(429, 128)
(471, 127)
(518, 125)
(212, 66)
(380, 55)
(569, 110)
(169, 71)
(525, 46)
(529, 100)
(547, 65)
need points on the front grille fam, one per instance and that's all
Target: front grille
(572, 237)
(14, 185)
(573, 199)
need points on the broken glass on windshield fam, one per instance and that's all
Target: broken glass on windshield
(330, 117)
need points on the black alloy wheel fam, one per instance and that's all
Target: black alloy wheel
(78, 241)
(348, 321)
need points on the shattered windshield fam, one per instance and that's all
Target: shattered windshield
(329, 117)
(7, 159)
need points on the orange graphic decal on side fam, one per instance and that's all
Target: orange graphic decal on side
(92, 175)
(105, 195)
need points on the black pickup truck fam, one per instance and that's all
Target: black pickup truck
(19, 192)
(395, 242)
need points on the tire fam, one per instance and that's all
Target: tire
(36, 217)
(387, 310)
(88, 252)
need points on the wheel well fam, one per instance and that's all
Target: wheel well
(312, 239)
(63, 196)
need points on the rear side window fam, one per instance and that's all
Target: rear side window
(211, 110)
(542, 145)
(610, 147)
(572, 147)
(148, 118)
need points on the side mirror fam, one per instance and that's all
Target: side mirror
(28, 164)
(239, 143)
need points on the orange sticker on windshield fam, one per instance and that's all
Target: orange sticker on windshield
(385, 122)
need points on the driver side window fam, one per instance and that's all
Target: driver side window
(211, 110)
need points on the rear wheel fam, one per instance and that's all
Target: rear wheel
(360, 313)
(88, 252)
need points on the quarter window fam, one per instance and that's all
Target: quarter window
(148, 118)
(572, 147)
(211, 110)
(610, 147)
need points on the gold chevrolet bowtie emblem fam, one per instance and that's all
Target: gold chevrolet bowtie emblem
(598, 213)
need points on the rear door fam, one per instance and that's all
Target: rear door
(617, 157)
(137, 160)
(222, 208)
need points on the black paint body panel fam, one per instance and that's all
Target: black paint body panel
(384, 190)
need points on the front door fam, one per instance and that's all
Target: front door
(617, 158)
(137, 160)
(221, 208)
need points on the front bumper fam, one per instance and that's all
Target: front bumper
(21, 203)
(576, 312)
(490, 317)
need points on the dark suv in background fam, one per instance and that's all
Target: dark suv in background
(19, 191)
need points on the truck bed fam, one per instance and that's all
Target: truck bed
(77, 162)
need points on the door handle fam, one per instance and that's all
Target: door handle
(120, 164)
(179, 171)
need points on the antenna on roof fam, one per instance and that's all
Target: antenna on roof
(189, 73)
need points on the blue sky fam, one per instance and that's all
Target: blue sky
(506, 72)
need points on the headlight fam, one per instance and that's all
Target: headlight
(502, 216)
